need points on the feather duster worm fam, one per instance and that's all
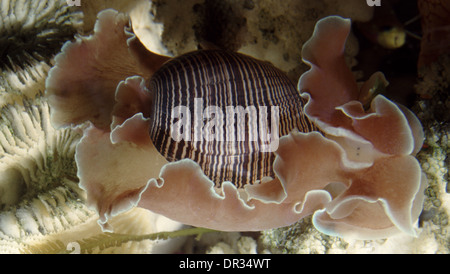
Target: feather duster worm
(352, 169)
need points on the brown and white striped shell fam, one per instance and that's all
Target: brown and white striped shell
(236, 86)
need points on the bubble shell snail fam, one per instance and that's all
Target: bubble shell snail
(234, 84)
(148, 143)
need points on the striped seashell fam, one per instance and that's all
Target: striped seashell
(222, 109)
